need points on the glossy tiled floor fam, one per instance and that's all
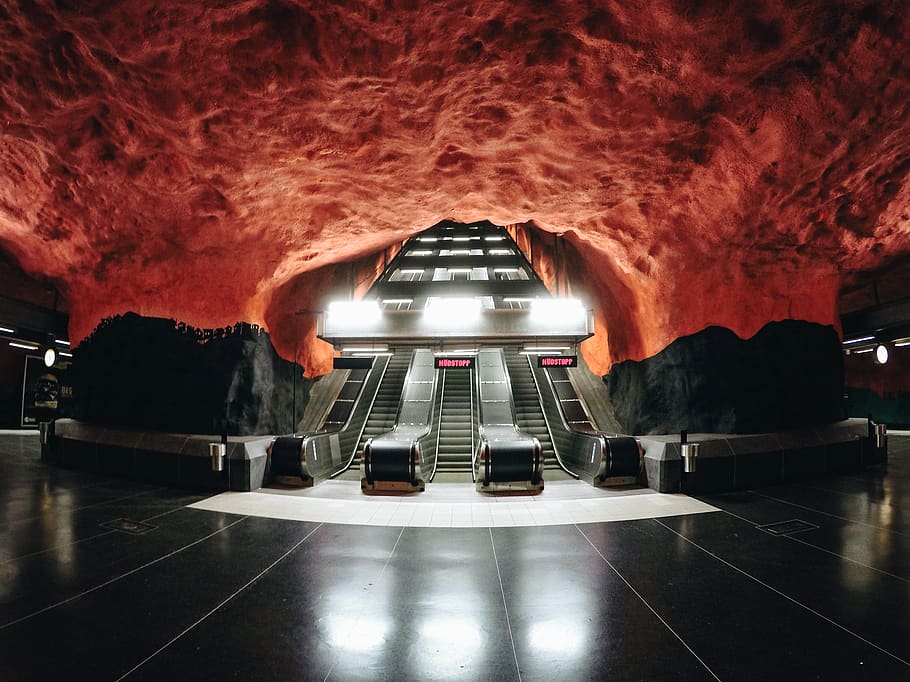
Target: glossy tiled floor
(207, 595)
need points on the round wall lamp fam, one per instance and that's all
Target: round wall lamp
(881, 354)
(50, 357)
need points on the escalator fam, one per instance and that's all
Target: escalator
(529, 416)
(385, 408)
(456, 434)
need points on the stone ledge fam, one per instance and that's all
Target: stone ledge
(180, 460)
(735, 462)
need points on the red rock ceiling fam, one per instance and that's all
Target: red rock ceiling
(708, 163)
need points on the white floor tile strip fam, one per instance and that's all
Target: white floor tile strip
(455, 506)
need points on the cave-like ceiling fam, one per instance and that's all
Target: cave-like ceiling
(709, 163)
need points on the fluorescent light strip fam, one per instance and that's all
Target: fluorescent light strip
(512, 299)
(539, 352)
(412, 272)
(463, 351)
(859, 340)
(902, 344)
(371, 355)
(460, 270)
(865, 350)
(499, 252)
(22, 345)
(65, 354)
(545, 348)
(428, 239)
(62, 342)
(505, 269)
(365, 349)
(397, 300)
(7, 330)
(419, 253)
(493, 239)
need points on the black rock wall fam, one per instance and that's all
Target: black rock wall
(153, 373)
(790, 374)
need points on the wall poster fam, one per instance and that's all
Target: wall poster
(44, 390)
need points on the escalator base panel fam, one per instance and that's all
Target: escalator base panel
(612, 481)
(506, 487)
(291, 481)
(391, 487)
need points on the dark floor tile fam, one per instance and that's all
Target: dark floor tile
(870, 545)
(404, 642)
(105, 633)
(41, 499)
(319, 607)
(740, 629)
(41, 580)
(852, 507)
(63, 525)
(869, 604)
(573, 617)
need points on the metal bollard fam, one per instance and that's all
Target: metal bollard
(45, 429)
(881, 435)
(217, 452)
(689, 457)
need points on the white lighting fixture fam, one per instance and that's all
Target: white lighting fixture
(353, 313)
(64, 354)
(379, 348)
(902, 344)
(493, 239)
(881, 354)
(26, 346)
(865, 350)
(461, 271)
(859, 340)
(517, 299)
(428, 239)
(461, 239)
(412, 272)
(62, 342)
(452, 310)
(541, 349)
(557, 310)
(457, 351)
(50, 357)
(499, 252)
(420, 252)
(505, 269)
(7, 330)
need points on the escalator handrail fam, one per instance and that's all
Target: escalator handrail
(598, 440)
(347, 463)
(586, 439)
(414, 445)
(437, 405)
(546, 417)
